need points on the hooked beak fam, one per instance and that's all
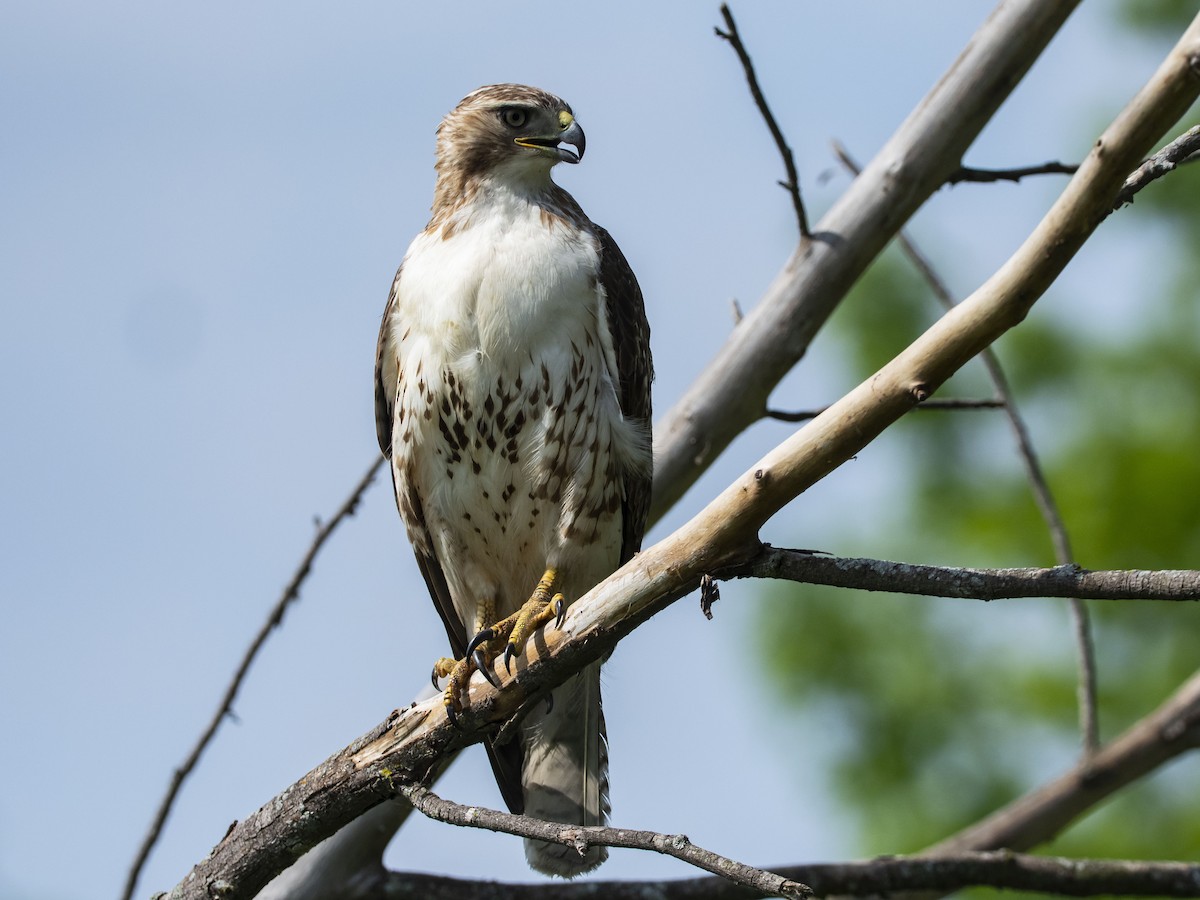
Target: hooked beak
(570, 133)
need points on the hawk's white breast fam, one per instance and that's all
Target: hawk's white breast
(516, 279)
(507, 410)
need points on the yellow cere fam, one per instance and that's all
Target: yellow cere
(565, 119)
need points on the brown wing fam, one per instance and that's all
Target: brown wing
(626, 313)
(506, 760)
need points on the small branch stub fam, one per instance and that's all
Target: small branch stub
(710, 593)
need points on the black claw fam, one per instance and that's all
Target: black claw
(560, 610)
(433, 678)
(481, 664)
(509, 652)
(549, 703)
(452, 716)
(482, 638)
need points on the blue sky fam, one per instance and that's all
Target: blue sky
(201, 210)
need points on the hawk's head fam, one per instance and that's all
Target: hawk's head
(508, 128)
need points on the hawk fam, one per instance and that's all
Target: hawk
(512, 392)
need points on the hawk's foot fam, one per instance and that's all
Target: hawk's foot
(459, 672)
(545, 605)
(479, 657)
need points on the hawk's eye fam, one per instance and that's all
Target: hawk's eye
(514, 117)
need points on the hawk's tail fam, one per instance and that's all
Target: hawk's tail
(565, 776)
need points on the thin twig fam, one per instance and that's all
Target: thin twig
(792, 185)
(580, 837)
(1089, 721)
(225, 708)
(804, 415)
(1183, 149)
(876, 877)
(989, 176)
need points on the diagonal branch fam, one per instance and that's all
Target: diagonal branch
(290, 594)
(1165, 734)
(792, 185)
(403, 749)
(676, 845)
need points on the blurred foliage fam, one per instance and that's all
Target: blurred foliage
(1166, 18)
(939, 711)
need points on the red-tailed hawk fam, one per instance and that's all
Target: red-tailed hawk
(512, 389)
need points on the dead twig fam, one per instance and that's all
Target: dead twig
(580, 837)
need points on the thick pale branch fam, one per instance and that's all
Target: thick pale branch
(759, 881)
(406, 747)
(975, 584)
(1004, 870)
(731, 392)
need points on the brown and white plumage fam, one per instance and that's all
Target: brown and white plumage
(513, 397)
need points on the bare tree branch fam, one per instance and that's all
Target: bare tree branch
(792, 185)
(409, 744)
(759, 881)
(225, 707)
(1003, 869)
(974, 584)
(731, 392)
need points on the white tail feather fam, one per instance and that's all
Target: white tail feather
(565, 776)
